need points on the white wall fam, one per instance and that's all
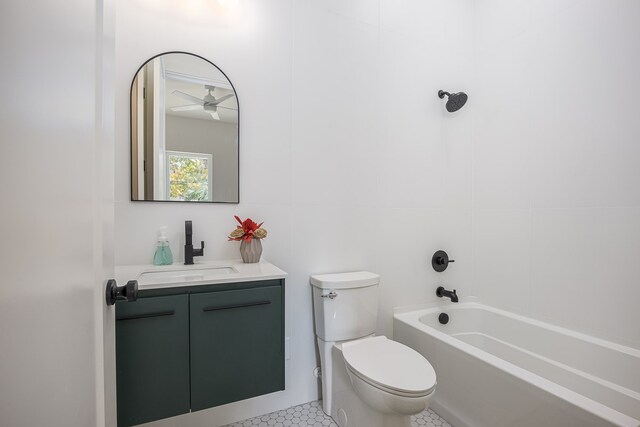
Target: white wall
(206, 136)
(346, 152)
(556, 200)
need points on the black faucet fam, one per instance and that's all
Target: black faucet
(189, 252)
(442, 292)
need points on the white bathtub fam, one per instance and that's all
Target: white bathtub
(496, 368)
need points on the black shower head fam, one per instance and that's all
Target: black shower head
(456, 100)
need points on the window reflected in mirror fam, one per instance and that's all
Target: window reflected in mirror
(189, 176)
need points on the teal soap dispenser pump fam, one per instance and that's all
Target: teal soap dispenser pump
(163, 255)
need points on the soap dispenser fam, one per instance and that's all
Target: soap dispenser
(163, 254)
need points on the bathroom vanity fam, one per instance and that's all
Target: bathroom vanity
(197, 337)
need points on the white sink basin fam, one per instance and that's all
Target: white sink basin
(187, 275)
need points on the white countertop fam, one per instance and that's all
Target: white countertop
(178, 274)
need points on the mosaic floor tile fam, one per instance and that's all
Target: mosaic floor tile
(311, 415)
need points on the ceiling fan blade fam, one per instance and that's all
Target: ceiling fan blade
(215, 115)
(188, 97)
(226, 108)
(187, 107)
(222, 99)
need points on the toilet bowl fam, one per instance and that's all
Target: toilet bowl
(388, 376)
(367, 380)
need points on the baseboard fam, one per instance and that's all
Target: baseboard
(448, 416)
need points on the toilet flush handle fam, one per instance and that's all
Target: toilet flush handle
(330, 295)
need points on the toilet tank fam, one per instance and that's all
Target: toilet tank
(345, 305)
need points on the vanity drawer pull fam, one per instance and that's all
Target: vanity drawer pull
(227, 307)
(146, 315)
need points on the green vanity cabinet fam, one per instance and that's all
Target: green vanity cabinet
(152, 359)
(189, 348)
(237, 347)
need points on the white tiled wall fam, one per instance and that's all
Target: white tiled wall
(556, 224)
(380, 170)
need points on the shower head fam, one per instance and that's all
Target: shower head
(456, 100)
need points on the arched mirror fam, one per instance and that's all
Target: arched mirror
(184, 131)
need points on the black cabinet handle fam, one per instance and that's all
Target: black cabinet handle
(147, 315)
(230, 306)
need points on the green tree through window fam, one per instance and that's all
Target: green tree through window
(189, 176)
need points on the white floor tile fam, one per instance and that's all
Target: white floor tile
(311, 415)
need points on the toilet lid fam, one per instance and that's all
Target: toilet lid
(390, 365)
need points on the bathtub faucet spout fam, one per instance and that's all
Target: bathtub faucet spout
(442, 292)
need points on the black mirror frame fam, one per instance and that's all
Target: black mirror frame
(131, 132)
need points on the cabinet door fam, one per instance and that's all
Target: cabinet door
(152, 359)
(237, 345)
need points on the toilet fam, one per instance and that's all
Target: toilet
(367, 380)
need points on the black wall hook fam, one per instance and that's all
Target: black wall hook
(127, 292)
(440, 261)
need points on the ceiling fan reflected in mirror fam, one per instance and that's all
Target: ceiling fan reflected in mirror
(209, 103)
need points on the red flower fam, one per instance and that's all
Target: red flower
(248, 226)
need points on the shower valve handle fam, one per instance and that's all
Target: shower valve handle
(440, 261)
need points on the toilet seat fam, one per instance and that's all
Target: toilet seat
(390, 366)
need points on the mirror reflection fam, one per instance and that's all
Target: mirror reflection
(184, 132)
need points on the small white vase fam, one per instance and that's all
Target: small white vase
(251, 251)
